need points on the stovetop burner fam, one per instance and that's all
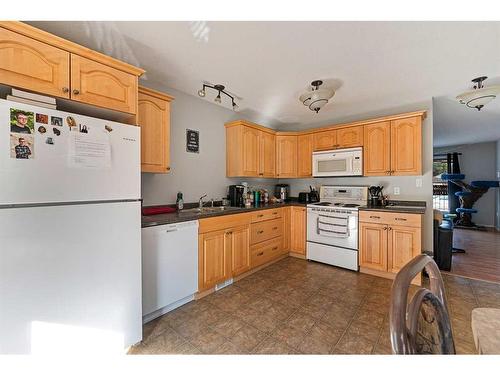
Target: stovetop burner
(322, 204)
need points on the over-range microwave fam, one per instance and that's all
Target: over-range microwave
(341, 162)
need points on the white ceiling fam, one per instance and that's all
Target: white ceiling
(378, 65)
(456, 124)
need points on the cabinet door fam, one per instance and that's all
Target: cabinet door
(154, 120)
(304, 155)
(287, 229)
(286, 156)
(240, 250)
(267, 154)
(29, 64)
(350, 137)
(214, 258)
(298, 230)
(404, 244)
(406, 147)
(251, 151)
(98, 84)
(326, 140)
(373, 246)
(376, 150)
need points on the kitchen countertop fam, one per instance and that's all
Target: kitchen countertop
(407, 207)
(177, 217)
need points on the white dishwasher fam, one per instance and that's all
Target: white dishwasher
(169, 267)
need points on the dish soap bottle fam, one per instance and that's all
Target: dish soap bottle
(180, 202)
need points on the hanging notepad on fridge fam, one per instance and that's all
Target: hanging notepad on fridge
(89, 151)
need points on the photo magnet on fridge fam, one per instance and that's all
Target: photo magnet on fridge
(22, 121)
(56, 121)
(42, 119)
(22, 146)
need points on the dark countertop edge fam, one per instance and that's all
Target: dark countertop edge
(396, 209)
(172, 218)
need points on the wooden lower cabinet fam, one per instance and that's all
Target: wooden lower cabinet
(214, 258)
(240, 250)
(373, 246)
(404, 243)
(298, 230)
(384, 248)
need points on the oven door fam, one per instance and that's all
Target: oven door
(335, 228)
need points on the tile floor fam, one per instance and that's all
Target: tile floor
(300, 307)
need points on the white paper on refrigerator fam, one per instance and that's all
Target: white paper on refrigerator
(89, 151)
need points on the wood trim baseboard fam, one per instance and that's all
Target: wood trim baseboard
(297, 255)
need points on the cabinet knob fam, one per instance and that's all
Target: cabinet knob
(400, 219)
(65, 90)
(260, 254)
(275, 228)
(385, 228)
(168, 168)
(260, 232)
(390, 228)
(76, 92)
(260, 215)
(374, 217)
(275, 248)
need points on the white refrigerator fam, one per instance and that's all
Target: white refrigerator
(70, 232)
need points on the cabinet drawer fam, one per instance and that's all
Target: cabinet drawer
(391, 218)
(266, 230)
(265, 252)
(266, 215)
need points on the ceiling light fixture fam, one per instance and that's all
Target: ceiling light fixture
(480, 95)
(220, 90)
(316, 98)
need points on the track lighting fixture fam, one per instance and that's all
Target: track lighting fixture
(220, 90)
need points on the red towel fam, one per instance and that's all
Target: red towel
(156, 210)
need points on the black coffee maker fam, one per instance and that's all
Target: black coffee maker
(236, 195)
(375, 194)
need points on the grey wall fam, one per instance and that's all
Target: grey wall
(195, 174)
(407, 184)
(479, 162)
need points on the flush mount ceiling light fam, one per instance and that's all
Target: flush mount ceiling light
(220, 90)
(480, 95)
(316, 98)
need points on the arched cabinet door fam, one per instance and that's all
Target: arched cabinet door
(101, 85)
(29, 64)
(154, 120)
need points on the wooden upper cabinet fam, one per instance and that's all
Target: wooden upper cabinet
(406, 146)
(350, 137)
(404, 243)
(304, 155)
(286, 156)
(29, 64)
(154, 120)
(250, 146)
(240, 250)
(298, 230)
(377, 149)
(267, 154)
(325, 140)
(101, 85)
(373, 246)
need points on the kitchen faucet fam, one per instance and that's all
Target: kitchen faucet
(200, 202)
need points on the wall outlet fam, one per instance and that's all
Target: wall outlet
(396, 190)
(418, 182)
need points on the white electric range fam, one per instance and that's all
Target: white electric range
(332, 225)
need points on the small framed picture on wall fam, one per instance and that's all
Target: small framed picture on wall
(192, 141)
